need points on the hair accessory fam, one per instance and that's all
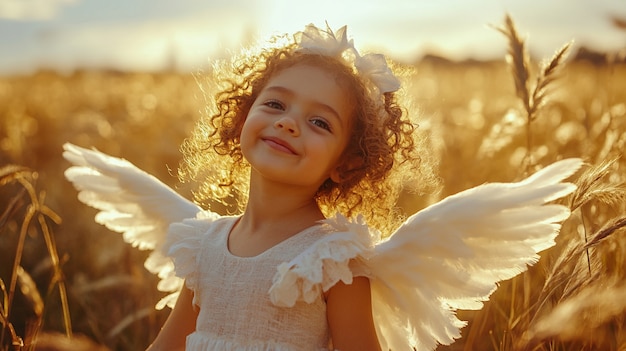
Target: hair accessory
(372, 67)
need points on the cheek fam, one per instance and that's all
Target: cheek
(242, 117)
(244, 136)
(331, 153)
(248, 131)
(246, 124)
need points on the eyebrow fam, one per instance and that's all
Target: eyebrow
(328, 108)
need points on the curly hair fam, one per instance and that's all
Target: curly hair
(381, 154)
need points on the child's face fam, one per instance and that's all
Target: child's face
(298, 127)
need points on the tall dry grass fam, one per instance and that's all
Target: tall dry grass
(533, 97)
(574, 300)
(26, 206)
(486, 121)
(143, 116)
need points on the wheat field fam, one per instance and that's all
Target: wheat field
(70, 284)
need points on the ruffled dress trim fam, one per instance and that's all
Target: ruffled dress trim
(336, 257)
(183, 244)
(209, 342)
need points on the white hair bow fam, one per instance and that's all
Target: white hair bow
(371, 67)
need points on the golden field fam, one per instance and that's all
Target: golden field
(87, 282)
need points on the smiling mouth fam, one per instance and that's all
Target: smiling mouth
(280, 145)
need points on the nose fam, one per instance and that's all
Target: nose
(287, 124)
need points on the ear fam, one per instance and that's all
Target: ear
(335, 175)
(343, 171)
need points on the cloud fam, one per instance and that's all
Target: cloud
(32, 9)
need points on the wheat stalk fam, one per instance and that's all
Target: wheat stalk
(589, 186)
(592, 309)
(568, 283)
(547, 76)
(607, 230)
(39, 211)
(16, 340)
(518, 60)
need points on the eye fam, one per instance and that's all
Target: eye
(321, 123)
(275, 104)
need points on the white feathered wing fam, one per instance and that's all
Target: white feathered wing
(134, 203)
(452, 254)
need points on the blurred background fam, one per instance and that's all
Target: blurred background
(187, 34)
(126, 77)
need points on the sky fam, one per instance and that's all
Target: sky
(188, 34)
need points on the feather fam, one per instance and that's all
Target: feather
(131, 202)
(452, 254)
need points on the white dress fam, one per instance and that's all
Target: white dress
(233, 293)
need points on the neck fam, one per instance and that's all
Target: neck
(271, 204)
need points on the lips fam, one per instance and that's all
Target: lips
(280, 145)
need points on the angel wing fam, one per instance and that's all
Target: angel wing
(452, 254)
(133, 203)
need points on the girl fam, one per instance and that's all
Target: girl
(305, 133)
(318, 136)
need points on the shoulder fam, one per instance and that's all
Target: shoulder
(184, 239)
(196, 228)
(337, 256)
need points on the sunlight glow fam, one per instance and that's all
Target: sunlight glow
(190, 34)
(32, 9)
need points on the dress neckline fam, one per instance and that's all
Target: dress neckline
(232, 224)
